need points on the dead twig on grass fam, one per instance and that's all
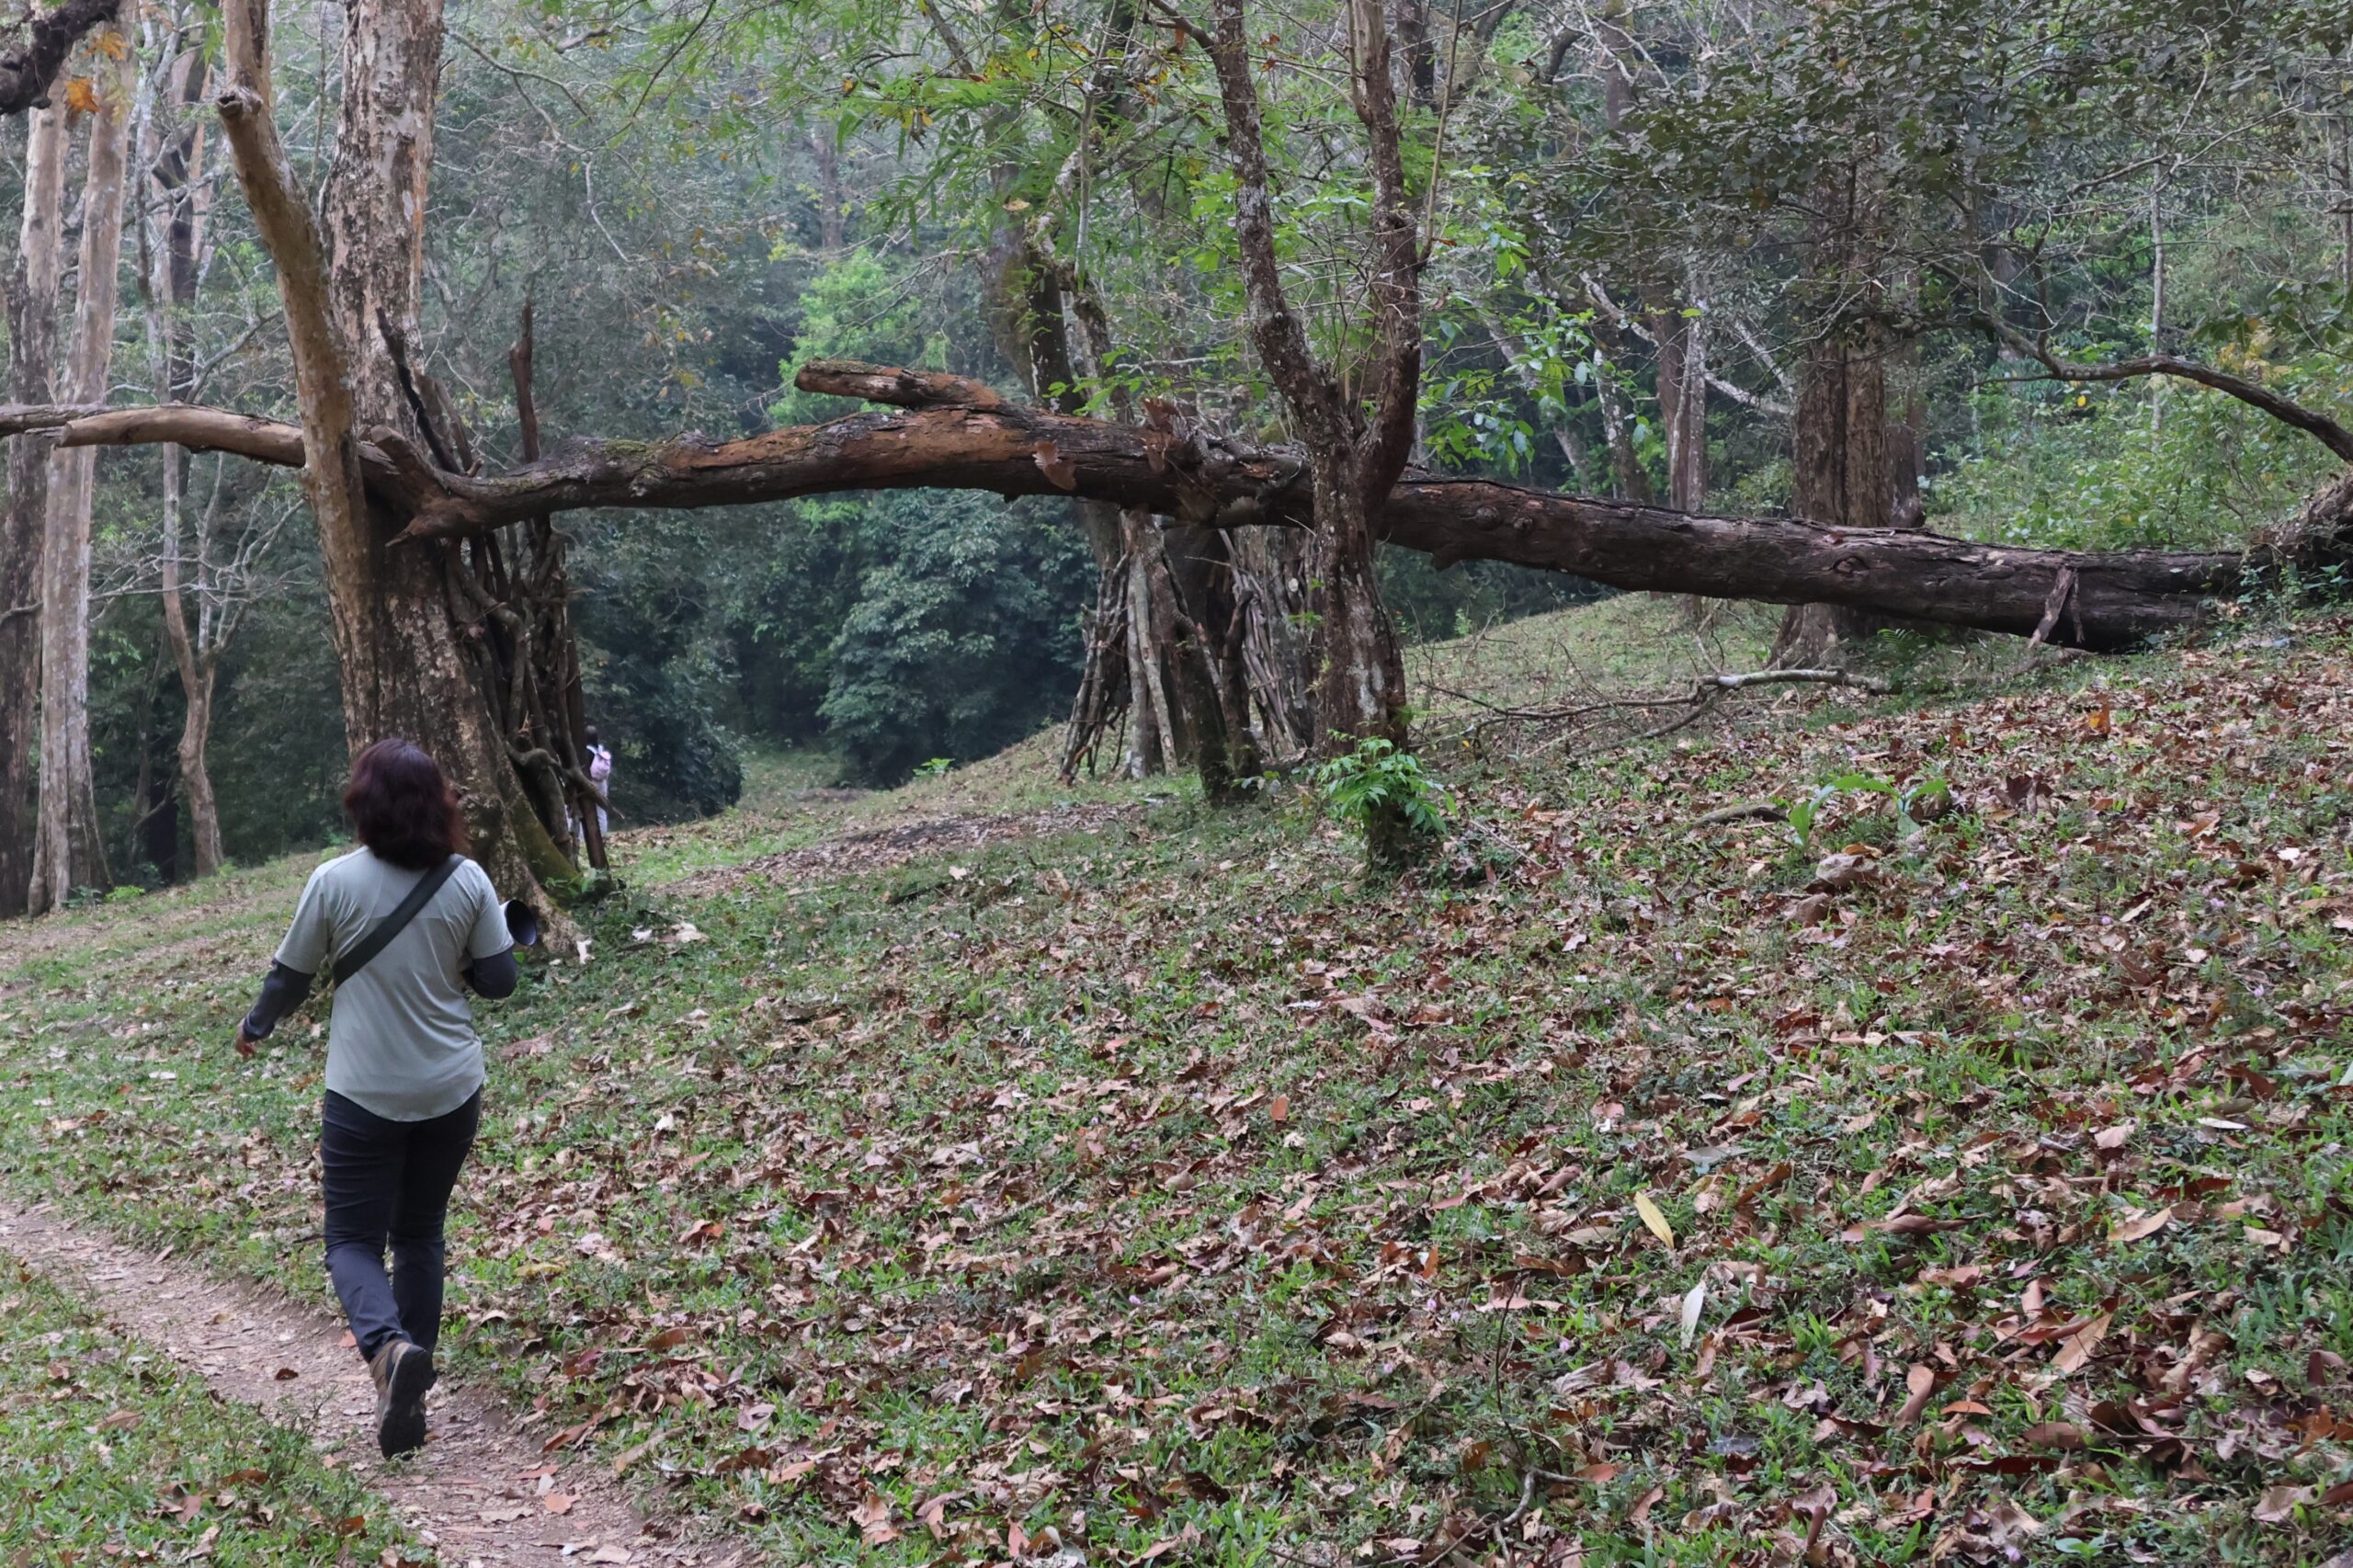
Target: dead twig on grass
(1686, 708)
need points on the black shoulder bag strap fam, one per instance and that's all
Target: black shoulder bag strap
(392, 924)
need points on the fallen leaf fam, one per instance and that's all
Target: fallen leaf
(120, 1421)
(1652, 1218)
(2278, 1504)
(558, 1502)
(1694, 1304)
(2082, 1343)
(1920, 1382)
(1280, 1110)
(2141, 1227)
(2064, 1436)
(2011, 1524)
(872, 1518)
(1913, 1225)
(1843, 870)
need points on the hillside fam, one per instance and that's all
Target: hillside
(1121, 1180)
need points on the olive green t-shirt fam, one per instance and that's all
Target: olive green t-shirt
(402, 1044)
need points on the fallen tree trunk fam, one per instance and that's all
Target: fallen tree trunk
(959, 434)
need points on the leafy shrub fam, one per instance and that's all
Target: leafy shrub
(1377, 778)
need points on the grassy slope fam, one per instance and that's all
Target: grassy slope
(1168, 1186)
(109, 1452)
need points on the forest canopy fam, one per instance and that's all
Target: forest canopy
(2064, 276)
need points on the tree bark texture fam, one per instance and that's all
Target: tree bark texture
(178, 239)
(32, 358)
(29, 70)
(1353, 462)
(1146, 677)
(68, 851)
(393, 598)
(2117, 599)
(1842, 459)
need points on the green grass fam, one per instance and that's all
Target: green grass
(1172, 1185)
(108, 1452)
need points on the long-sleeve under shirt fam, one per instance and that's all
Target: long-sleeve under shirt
(283, 989)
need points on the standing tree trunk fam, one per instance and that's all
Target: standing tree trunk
(67, 850)
(32, 357)
(352, 306)
(1683, 411)
(1841, 470)
(1353, 462)
(175, 244)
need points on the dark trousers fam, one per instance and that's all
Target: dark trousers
(388, 1187)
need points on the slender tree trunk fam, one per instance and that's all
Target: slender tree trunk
(1361, 681)
(1270, 573)
(32, 357)
(1629, 480)
(68, 851)
(2344, 201)
(2156, 302)
(833, 225)
(1212, 663)
(1841, 467)
(1146, 676)
(175, 246)
(1158, 742)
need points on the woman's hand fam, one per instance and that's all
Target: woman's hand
(244, 1041)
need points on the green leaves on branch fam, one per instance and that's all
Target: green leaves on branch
(1377, 781)
(1921, 801)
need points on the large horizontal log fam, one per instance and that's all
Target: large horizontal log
(949, 439)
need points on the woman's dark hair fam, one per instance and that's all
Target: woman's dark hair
(403, 808)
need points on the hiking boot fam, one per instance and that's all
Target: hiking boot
(403, 1373)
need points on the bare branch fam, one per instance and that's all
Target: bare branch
(2286, 410)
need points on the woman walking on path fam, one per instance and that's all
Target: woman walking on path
(405, 924)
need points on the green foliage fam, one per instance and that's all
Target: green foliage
(961, 639)
(1909, 799)
(2138, 466)
(1377, 779)
(655, 674)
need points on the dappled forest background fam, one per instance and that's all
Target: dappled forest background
(694, 211)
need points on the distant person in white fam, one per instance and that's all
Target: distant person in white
(600, 773)
(407, 925)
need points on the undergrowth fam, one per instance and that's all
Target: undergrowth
(1965, 1188)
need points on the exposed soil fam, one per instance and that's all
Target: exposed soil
(481, 1494)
